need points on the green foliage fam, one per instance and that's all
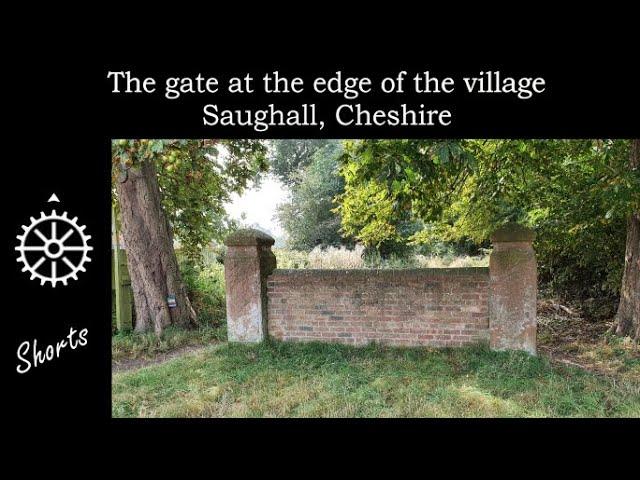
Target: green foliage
(288, 157)
(577, 195)
(308, 217)
(206, 290)
(325, 380)
(391, 182)
(196, 179)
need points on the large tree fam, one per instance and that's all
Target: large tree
(576, 193)
(167, 187)
(628, 315)
(308, 216)
(288, 157)
(385, 180)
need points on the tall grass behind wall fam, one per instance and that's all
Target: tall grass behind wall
(345, 258)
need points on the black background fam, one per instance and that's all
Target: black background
(64, 117)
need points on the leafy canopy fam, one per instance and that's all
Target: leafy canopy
(196, 179)
(308, 217)
(577, 194)
(288, 157)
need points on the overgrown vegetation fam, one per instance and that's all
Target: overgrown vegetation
(320, 380)
(205, 287)
(359, 257)
(405, 200)
(402, 204)
(402, 198)
(576, 194)
(308, 216)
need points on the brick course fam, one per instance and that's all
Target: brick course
(422, 307)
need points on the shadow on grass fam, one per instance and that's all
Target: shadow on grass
(278, 379)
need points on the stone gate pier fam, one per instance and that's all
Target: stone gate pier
(248, 263)
(513, 289)
(406, 307)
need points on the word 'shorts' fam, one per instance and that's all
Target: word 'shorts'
(420, 307)
(31, 355)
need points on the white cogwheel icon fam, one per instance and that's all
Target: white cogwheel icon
(50, 257)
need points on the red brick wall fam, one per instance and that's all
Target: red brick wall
(436, 307)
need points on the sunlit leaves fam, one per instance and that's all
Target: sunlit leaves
(196, 178)
(577, 194)
(308, 217)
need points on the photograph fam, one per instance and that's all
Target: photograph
(373, 278)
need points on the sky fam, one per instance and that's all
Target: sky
(259, 205)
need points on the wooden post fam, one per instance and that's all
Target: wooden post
(124, 304)
(122, 285)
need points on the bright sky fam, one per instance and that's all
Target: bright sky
(259, 205)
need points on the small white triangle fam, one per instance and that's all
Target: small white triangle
(53, 198)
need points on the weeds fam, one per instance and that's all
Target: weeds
(346, 258)
(129, 346)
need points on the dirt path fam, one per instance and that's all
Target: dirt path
(136, 363)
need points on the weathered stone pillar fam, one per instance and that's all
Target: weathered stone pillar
(513, 289)
(248, 262)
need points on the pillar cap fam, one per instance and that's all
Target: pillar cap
(513, 232)
(247, 237)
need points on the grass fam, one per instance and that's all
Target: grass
(319, 380)
(146, 346)
(615, 355)
(206, 290)
(610, 355)
(589, 375)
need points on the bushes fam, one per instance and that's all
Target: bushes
(337, 257)
(576, 194)
(206, 290)
(329, 257)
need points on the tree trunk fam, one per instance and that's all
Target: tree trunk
(152, 262)
(628, 316)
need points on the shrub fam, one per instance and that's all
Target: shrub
(206, 290)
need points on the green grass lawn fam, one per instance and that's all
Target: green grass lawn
(319, 380)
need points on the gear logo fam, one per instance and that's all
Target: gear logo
(53, 248)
